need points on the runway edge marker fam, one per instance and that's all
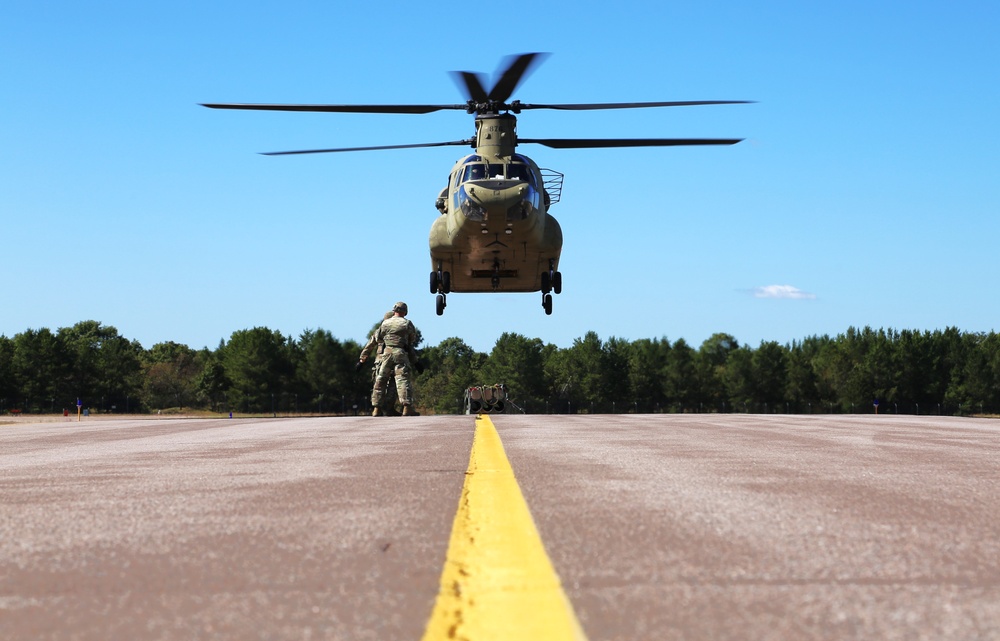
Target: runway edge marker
(497, 582)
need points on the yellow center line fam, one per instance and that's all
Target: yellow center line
(497, 582)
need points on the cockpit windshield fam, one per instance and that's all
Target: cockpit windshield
(476, 168)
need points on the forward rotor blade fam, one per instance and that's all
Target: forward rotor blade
(470, 141)
(595, 143)
(513, 75)
(361, 109)
(631, 105)
(473, 85)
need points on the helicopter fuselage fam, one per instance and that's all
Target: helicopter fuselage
(494, 232)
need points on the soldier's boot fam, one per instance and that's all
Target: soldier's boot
(409, 411)
(377, 411)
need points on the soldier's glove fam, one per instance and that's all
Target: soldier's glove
(419, 367)
(358, 366)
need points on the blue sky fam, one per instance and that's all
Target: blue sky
(867, 191)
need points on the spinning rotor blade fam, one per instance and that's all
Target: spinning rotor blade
(491, 104)
(513, 75)
(628, 105)
(473, 84)
(470, 141)
(361, 109)
(593, 143)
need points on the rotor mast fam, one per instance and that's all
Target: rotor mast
(496, 135)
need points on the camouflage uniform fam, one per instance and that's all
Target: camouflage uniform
(389, 391)
(398, 335)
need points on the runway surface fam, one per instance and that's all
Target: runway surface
(659, 526)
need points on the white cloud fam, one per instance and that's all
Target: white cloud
(781, 291)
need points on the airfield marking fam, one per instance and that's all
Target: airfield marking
(497, 582)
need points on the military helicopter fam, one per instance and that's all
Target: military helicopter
(494, 232)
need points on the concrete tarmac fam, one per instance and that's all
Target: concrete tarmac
(659, 526)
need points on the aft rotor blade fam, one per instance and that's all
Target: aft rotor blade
(469, 142)
(361, 109)
(513, 75)
(629, 105)
(595, 143)
(473, 84)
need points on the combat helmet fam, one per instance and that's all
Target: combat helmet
(400, 308)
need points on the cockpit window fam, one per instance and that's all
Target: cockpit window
(474, 171)
(518, 172)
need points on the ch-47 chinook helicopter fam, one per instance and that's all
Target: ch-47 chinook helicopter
(494, 232)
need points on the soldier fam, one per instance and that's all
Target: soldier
(389, 391)
(398, 335)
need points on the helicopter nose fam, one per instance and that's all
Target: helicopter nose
(497, 195)
(508, 201)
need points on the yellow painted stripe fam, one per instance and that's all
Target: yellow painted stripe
(497, 582)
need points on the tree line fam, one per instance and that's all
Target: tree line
(262, 371)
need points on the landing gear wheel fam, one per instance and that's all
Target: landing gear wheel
(441, 304)
(446, 282)
(547, 304)
(434, 282)
(557, 282)
(546, 283)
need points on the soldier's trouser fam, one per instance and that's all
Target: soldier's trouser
(394, 361)
(389, 395)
